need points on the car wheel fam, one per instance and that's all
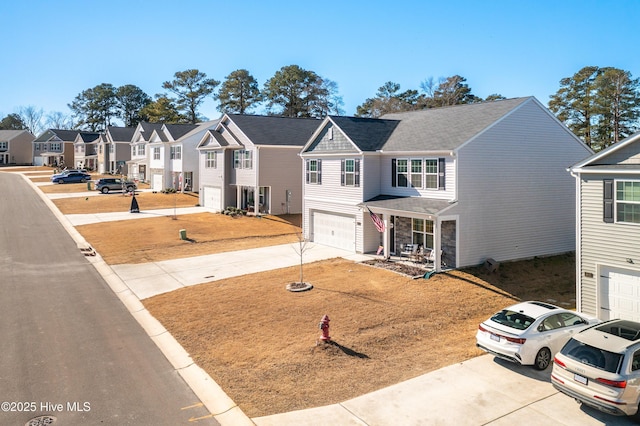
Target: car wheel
(83, 181)
(129, 188)
(543, 359)
(104, 190)
(60, 180)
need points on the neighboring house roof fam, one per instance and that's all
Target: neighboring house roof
(176, 131)
(275, 130)
(121, 133)
(368, 134)
(147, 129)
(447, 128)
(618, 156)
(64, 135)
(7, 135)
(88, 137)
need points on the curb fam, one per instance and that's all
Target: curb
(223, 409)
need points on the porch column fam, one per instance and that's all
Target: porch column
(437, 241)
(386, 236)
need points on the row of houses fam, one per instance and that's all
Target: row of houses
(503, 180)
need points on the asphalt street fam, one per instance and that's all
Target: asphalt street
(70, 348)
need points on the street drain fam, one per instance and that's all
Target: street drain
(41, 421)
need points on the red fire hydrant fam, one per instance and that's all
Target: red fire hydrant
(324, 326)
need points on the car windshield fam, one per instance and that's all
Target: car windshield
(513, 319)
(592, 356)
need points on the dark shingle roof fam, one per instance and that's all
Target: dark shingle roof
(275, 130)
(64, 135)
(89, 136)
(443, 129)
(179, 130)
(409, 204)
(121, 133)
(369, 134)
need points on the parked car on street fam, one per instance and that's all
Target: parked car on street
(71, 177)
(600, 367)
(115, 184)
(66, 172)
(530, 333)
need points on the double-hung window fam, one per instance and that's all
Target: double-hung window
(141, 149)
(242, 159)
(416, 172)
(211, 159)
(628, 201)
(314, 171)
(4, 146)
(431, 173)
(176, 152)
(402, 172)
(350, 172)
(156, 152)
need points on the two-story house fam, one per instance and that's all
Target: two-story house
(470, 182)
(55, 148)
(16, 147)
(86, 150)
(608, 229)
(252, 162)
(137, 166)
(173, 158)
(114, 150)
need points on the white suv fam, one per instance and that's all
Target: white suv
(600, 367)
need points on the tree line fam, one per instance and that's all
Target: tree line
(600, 105)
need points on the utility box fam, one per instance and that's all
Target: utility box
(491, 265)
(183, 234)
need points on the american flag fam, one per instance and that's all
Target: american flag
(376, 220)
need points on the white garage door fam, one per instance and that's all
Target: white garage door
(334, 230)
(157, 183)
(212, 198)
(619, 294)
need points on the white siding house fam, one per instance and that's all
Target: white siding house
(470, 182)
(608, 226)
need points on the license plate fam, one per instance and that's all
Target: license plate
(495, 337)
(580, 379)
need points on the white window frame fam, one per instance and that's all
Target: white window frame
(4, 146)
(618, 202)
(313, 171)
(424, 234)
(402, 171)
(175, 152)
(156, 152)
(349, 175)
(211, 160)
(242, 159)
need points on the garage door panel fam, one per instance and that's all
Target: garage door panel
(212, 198)
(334, 230)
(619, 294)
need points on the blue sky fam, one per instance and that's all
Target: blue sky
(53, 50)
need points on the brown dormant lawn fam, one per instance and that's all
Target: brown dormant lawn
(259, 341)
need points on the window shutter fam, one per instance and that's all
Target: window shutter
(356, 178)
(319, 166)
(441, 176)
(307, 170)
(393, 172)
(608, 200)
(342, 172)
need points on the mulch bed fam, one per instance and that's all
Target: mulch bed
(399, 267)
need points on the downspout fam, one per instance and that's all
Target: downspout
(256, 191)
(578, 247)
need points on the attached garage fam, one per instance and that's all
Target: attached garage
(619, 294)
(212, 198)
(334, 230)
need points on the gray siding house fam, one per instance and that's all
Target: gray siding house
(114, 150)
(608, 226)
(469, 182)
(55, 148)
(251, 162)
